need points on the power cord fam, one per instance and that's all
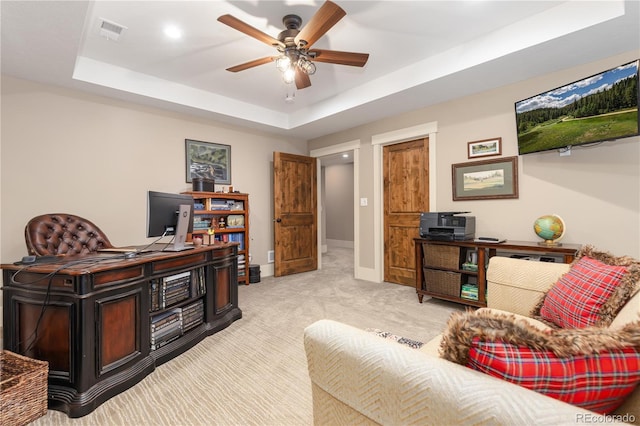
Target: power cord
(164, 234)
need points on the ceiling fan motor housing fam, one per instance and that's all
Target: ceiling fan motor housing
(292, 24)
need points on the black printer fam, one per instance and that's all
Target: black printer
(447, 226)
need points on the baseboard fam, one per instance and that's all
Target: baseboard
(367, 274)
(266, 270)
(340, 243)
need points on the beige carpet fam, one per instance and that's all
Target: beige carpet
(254, 372)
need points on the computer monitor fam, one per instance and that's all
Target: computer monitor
(170, 214)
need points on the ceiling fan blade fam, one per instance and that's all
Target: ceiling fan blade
(326, 17)
(243, 27)
(302, 79)
(252, 64)
(341, 58)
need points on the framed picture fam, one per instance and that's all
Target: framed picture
(209, 161)
(486, 179)
(484, 148)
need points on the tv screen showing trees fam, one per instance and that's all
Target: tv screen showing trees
(599, 108)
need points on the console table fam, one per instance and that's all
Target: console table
(94, 317)
(442, 269)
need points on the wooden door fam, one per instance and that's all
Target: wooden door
(295, 214)
(406, 195)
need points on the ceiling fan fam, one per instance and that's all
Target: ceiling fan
(296, 57)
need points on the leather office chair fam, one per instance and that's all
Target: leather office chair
(61, 234)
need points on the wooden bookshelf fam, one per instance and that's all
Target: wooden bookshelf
(228, 215)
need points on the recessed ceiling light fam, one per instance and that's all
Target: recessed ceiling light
(345, 155)
(172, 31)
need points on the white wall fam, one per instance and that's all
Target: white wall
(596, 190)
(338, 181)
(66, 151)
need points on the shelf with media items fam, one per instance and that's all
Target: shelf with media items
(177, 306)
(223, 217)
(456, 270)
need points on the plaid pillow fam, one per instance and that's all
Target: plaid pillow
(598, 382)
(592, 367)
(575, 301)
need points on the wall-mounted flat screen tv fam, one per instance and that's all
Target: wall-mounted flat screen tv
(599, 108)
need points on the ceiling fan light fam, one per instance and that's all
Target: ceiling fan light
(283, 63)
(289, 75)
(307, 66)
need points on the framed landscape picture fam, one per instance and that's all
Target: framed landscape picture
(485, 180)
(208, 161)
(484, 148)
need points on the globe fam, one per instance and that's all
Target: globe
(550, 228)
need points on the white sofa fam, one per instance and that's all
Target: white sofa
(359, 378)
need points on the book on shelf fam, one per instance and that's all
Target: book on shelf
(194, 306)
(470, 267)
(197, 306)
(175, 298)
(176, 279)
(192, 324)
(224, 204)
(154, 292)
(193, 318)
(159, 319)
(166, 333)
(234, 237)
(164, 323)
(198, 282)
(157, 345)
(170, 290)
(165, 327)
(201, 226)
(469, 291)
(192, 315)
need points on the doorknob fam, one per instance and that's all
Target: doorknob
(278, 220)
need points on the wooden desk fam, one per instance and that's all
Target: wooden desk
(90, 316)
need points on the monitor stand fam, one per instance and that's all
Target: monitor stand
(181, 230)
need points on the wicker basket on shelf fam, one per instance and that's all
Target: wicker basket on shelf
(23, 388)
(441, 256)
(442, 282)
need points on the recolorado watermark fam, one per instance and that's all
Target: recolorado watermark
(605, 418)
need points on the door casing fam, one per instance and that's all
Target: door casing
(354, 147)
(378, 141)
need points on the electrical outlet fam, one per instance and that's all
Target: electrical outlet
(270, 256)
